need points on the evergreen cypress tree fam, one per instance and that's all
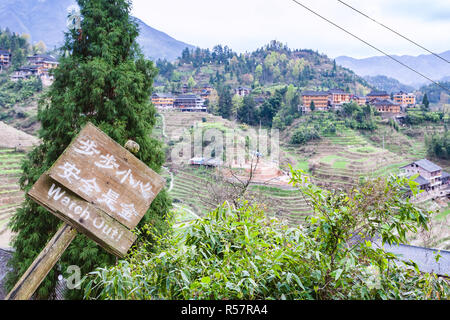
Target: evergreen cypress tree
(426, 102)
(103, 78)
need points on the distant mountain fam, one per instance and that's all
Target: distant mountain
(387, 84)
(46, 20)
(429, 65)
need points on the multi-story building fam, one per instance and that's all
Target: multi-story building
(5, 58)
(25, 73)
(43, 61)
(359, 100)
(163, 100)
(382, 95)
(385, 105)
(190, 102)
(432, 179)
(242, 91)
(320, 99)
(405, 99)
(338, 96)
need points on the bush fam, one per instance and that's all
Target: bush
(242, 254)
(304, 135)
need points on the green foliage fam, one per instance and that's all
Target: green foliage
(248, 113)
(304, 135)
(18, 44)
(12, 93)
(235, 254)
(419, 117)
(439, 145)
(102, 78)
(358, 117)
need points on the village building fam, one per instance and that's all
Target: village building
(361, 101)
(405, 99)
(386, 106)
(339, 96)
(38, 66)
(320, 99)
(163, 100)
(5, 59)
(382, 95)
(242, 91)
(190, 103)
(25, 73)
(431, 178)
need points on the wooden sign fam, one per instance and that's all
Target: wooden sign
(83, 216)
(98, 188)
(105, 174)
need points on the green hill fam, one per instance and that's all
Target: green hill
(265, 69)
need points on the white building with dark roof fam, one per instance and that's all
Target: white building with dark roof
(432, 180)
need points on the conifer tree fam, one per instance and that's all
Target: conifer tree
(102, 78)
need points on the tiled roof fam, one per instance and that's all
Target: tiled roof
(337, 91)
(425, 164)
(163, 95)
(428, 165)
(421, 181)
(383, 102)
(315, 93)
(378, 93)
(188, 96)
(423, 257)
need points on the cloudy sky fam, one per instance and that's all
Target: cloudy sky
(246, 25)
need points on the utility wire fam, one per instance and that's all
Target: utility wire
(370, 45)
(397, 33)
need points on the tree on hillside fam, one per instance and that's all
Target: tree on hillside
(426, 102)
(248, 113)
(312, 106)
(225, 103)
(103, 78)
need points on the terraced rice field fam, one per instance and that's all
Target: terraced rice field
(341, 161)
(10, 194)
(176, 123)
(190, 189)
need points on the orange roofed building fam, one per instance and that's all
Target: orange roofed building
(319, 98)
(163, 100)
(382, 95)
(405, 99)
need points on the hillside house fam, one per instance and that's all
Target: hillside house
(405, 99)
(381, 95)
(361, 101)
(339, 96)
(5, 59)
(25, 73)
(386, 106)
(190, 103)
(432, 179)
(320, 99)
(163, 100)
(242, 91)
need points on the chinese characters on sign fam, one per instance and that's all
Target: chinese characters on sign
(103, 173)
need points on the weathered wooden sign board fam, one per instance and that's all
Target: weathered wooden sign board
(98, 188)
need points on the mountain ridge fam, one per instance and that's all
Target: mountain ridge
(46, 20)
(427, 64)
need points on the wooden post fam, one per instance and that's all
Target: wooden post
(36, 273)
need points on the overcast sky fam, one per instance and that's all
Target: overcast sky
(245, 25)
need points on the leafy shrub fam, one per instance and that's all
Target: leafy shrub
(242, 254)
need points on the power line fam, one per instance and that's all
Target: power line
(370, 45)
(397, 33)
